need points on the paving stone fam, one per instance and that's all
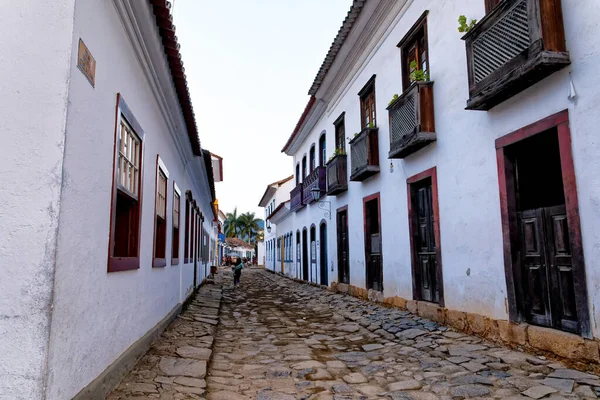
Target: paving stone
(373, 346)
(354, 377)
(537, 392)
(410, 333)
(469, 391)
(185, 381)
(562, 385)
(194, 352)
(473, 366)
(182, 367)
(411, 384)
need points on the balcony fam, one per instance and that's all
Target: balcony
(364, 149)
(337, 175)
(412, 125)
(296, 202)
(512, 48)
(315, 179)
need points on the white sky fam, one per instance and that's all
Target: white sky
(249, 65)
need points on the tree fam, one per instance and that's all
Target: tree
(248, 224)
(231, 226)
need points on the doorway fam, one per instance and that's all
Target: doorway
(323, 254)
(305, 255)
(298, 257)
(342, 246)
(423, 214)
(540, 218)
(313, 253)
(372, 224)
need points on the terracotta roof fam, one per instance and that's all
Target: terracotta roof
(236, 242)
(351, 17)
(307, 109)
(166, 29)
(281, 182)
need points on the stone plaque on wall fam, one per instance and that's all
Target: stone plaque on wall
(86, 63)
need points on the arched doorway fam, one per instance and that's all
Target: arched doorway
(305, 254)
(298, 257)
(313, 253)
(323, 253)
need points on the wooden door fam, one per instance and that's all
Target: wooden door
(305, 255)
(547, 268)
(373, 245)
(426, 246)
(298, 257)
(323, 254)
(342, 247)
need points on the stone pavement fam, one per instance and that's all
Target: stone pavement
(175, 366)
(281, 340)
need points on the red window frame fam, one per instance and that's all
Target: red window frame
(176, 225)
(121, 216)
(159, 257)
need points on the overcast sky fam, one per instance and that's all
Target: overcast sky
(249, 65)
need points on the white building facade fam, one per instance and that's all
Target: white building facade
(393, 175)
(108, 196)
(276, 202)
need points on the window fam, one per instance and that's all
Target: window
(312, 159)
(322, 150)
(176, 217)
(160, 219)
(127, 182)
(491, 4)
(303, 168)
(413, 49)
(297, 174)
(367, 105)
(186, 244)
(340, 133)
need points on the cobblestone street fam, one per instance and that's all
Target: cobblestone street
(279, 340)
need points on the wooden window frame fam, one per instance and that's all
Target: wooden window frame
(431, 173)
(322, 149)
(186, 240)
(304, 162)
(490, 5)
(412, 38)
(176, 236)
(118, 263)
(340, 132)
(368, 99)
(159, 262)
(560, 122)
(312, 158)
(297, 173)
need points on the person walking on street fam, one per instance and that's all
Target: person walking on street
(237, 270)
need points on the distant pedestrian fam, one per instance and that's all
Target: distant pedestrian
(238, 266)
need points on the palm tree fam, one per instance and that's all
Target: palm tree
(249, 226)
(231, 226)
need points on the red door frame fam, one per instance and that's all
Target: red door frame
(365, 201)
(510, 229)
(413, 229)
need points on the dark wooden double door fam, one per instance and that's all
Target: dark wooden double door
(547, 268)
(343, 247)
(374, 264)
(426, 270)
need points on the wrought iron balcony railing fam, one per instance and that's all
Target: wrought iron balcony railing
(517, 44)
(364, 154)
(337, 175)
(412, 124)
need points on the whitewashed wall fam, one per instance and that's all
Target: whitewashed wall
(36, 51)
(98, 315)
(471, 235)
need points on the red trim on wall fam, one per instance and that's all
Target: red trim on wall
(366, 199)
(430, 173)
(533, 129)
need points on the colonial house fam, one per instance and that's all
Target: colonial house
(239, 247)
(276, 202)
(107, 199)
(455, 174)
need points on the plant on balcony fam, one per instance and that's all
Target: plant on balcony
(393, 99)
(417, 75)
(337, 152)
(463, 27)
(371, 125)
